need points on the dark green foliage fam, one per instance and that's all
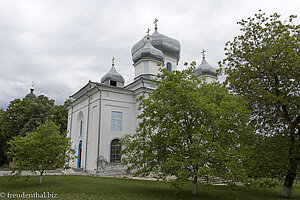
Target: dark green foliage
(3, 138)
(61, 115)
(263, 65)
(23, 116)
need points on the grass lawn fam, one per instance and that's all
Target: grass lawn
(92, 187)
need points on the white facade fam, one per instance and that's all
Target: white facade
(103, 112)
(94, 107)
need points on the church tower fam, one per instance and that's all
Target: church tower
(155, 51)
(147, 59)
(205, 70)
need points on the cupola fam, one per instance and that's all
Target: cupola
(205, 69)
(113, 78)
(153, 50)
(148, 52)
(31, 95)
(168, 46)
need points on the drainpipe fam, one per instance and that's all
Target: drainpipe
(98, 151)
(87, 127)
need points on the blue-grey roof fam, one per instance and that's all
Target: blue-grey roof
(167, 45)
(113, 75)
(30, 95)
(205, 68)
(140, 44)
(148, 51)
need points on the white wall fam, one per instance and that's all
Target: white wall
(173, 61)
(111, 100)
(146, 66)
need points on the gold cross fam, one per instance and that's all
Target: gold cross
(148, 36)
(113, 61)
(148, 31)
(155, 23)
(203, 55)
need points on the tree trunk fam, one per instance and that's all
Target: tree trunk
(194, 192)
(41, 176)
(289, 179)
(287, 192)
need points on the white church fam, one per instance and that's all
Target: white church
(103, 112)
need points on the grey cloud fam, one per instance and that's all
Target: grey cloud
(62, 44)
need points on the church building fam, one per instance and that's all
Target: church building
(103, 112)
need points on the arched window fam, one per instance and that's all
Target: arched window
(115, 150)
(79, 124)
(79, 154)
(81, 128)
(169, 66)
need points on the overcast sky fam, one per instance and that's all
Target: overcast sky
(61, 44)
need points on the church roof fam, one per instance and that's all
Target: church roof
(168, 46)
(113, 75)
(140, 44)
(205, 68)
(30, 95)
(148, 51)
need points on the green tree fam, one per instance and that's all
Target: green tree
(61, 115)
(263, 65)
(24, 115)
(188, 129)
(3, 140)
(44, 149)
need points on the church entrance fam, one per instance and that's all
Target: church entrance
(79, 154)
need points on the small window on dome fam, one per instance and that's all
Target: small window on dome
(169, 66)
(112, 83)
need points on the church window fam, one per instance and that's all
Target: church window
(81, 128)
(79, 154)
(116, 121)
(115, 150)
(169, 66)
(112, 83)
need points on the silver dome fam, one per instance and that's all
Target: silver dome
(140, 44)
(205, 68)
(30, 95)
(167, 45)
(113, 75)
(148, 51)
